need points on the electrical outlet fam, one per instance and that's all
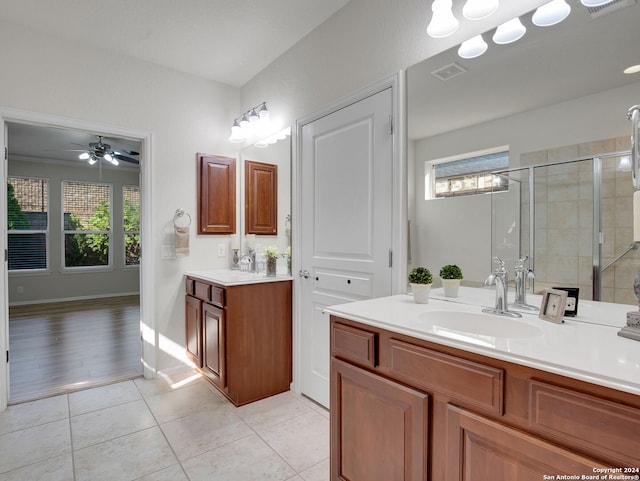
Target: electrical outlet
(20, 290)
(222, 250)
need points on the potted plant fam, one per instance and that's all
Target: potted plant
(420, 279)
(451, 275)
(271, 253)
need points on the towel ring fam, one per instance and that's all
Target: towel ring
(179, 214)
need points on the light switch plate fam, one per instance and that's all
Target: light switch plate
(222, 250)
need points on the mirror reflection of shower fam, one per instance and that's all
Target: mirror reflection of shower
(575, 222)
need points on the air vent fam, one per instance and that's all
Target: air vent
(449, 71)
(596, 12)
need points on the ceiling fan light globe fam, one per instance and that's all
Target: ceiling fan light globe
(84, 156)
(108, 157)
(479, 9)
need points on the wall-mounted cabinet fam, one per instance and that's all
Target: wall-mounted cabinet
(261, 198)
(216, 194)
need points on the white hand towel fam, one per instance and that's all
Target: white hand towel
(182, 241)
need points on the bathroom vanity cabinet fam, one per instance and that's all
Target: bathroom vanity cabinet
(404, 408)
(239, 336)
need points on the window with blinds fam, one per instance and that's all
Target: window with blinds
(86, 224)
(28, 223)
(131, 224)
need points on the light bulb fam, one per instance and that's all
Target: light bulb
(594, 3)
(236, 134)
(84, 156)
(113, 161)
(479, 9)
(551, 13)
(109, 158)
(443, 23)
(92, 160)
(472, 48)
(509, 32)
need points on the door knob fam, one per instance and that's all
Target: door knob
(304, 273)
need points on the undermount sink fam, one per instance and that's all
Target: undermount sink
(480, 324)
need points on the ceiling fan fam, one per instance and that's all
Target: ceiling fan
(100, 150)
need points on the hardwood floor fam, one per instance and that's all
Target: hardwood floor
(66, 346)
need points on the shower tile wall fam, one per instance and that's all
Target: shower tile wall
(564, 220)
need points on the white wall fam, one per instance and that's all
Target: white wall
(55, 283)
(184, 114)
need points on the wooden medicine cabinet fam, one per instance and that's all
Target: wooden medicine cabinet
(261, 198)
(216, 194)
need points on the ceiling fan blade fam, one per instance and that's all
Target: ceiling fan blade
(126, 152)
(124, 158)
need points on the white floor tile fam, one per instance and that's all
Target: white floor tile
(167, 382)
(59, 468)
(272, 410)
(183, 402)
(172, 473)
(28, 446)
(205, 430)
(82, 402)
(318, 472)
(34, 413)
(109, 423)
(302, 441)
(248, 459)
(125, 458)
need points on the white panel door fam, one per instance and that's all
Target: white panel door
(346, 216)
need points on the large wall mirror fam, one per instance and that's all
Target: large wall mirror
(556, 101)
(273, 158)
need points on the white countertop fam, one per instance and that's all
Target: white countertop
(587, 347)
(227, 277)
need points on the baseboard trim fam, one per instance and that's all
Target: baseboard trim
(71, 299)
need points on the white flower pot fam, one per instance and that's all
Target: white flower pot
(450, 287)
(421, 293)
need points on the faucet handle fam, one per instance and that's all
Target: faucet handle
(520, 264)
(499, 264)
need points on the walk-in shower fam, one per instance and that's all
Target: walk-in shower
(574, 219)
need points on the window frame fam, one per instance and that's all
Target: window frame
(46, 232)
(430, 179)
(63, 260)
(127, 232)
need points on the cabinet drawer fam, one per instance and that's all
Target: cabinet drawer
(468, 382)
(189, 286)
(202, 290)
(354, 344)
(217, 296)
(584, 420)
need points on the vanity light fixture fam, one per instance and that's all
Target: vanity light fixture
(509, 32)
(472, 48)
(253, 122)
(551, 13)
(479, 9)
(443, 23)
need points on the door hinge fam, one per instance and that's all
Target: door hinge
(7, 356)
(6, 255)
(390, 258)
(390, 125)
(6, 153)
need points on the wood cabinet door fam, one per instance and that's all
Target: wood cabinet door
(261, 198)
(216, 194)
(214, 361)
(193, 325)
(479, 449)
(379, 428)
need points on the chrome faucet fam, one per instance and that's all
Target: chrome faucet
(498, 278)
(522, 274)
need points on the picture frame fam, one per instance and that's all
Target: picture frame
(553, 305)
(573, 295)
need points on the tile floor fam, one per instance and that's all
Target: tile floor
(173, 429)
